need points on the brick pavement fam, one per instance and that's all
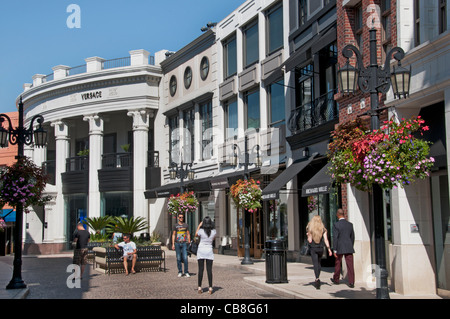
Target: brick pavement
(46, 278)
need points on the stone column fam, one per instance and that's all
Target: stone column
(95, 161)
(55, 218)
(141, 120)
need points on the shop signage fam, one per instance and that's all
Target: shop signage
(91, 95)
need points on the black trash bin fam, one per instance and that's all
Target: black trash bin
(276, 266)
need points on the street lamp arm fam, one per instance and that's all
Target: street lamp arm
(399, 55)
(348, 51)
(364, 73)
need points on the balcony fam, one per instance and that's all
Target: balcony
(76, 177)
(153, 171)
(116, 173)
(309, 122)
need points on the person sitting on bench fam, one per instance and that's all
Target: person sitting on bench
(129, 252)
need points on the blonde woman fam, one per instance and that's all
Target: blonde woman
(317, 238)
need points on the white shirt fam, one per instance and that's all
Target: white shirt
(127, 247)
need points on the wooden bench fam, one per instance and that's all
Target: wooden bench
(149, 258)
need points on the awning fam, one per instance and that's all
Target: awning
(8, 215)
(319, 184)
(163, 191)
(272, 190)
(226, 180)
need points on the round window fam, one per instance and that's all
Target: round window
(188, 77)
(204, 68)
(173, 85)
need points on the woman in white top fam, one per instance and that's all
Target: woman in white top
(206, 232)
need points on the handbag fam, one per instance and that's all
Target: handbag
(305, 250)
(193, 247)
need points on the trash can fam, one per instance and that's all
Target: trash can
(276, 266)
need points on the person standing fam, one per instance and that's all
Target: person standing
(80, 252)
(180, 239)
(129, 252)
(317, 239)
(343, 241)
(207, 233)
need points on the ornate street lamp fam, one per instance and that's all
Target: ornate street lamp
(258, 163)
(20, 136)
(374, 79)
(182, 172)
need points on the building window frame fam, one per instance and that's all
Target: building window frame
(230, 56)
(231, 117)
(250, 35)
(416, 22)
(359, 26)
(174, 136)
(206, 118)
(173, 85)
(252, 109)
(189, 128)
(187, 77)
(273, 107)
(274, 29)
(302, 12)
(204, 68)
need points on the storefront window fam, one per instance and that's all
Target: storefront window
(76, 211)
(278, 218)
(117, 204)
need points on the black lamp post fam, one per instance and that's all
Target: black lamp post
(20, 136)
(374, 80)
(247, 260)
(181, 172)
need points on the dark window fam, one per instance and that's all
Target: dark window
(230, 57)
(204, 68)
(187, 77)
(252, 110)
(173, 85)
(251, 44)
(231, 118)
(275, 29)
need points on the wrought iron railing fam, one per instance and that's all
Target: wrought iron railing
(313, 114)
(77, 163)
(116, 160)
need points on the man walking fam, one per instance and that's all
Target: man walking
(80, 240)
(180, 239)
(343, 241)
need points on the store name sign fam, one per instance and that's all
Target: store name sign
(91, 95)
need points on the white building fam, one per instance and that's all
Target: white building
(100, 119)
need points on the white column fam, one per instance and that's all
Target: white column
(55, 218)
(141, 120)
(95, 161)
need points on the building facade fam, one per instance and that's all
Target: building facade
(414, 216)
(257, 88)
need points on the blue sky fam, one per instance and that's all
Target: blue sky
(34, 35)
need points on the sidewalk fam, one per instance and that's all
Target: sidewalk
(299, 286)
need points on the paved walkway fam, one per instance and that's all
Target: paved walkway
(299, 286)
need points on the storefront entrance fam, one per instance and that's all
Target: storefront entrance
(254, 223)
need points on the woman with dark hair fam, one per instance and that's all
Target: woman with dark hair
(206, 231)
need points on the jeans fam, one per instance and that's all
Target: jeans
(181, 251)
(316, 256)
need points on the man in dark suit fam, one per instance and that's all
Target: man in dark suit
(343, 240)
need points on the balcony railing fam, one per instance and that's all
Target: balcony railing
(311, 115)
(117, 160)
(77, 163)
(153, 159)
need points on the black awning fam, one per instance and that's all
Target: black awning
(272, 190)
(319, 184)
(163, 191)
(226, 180)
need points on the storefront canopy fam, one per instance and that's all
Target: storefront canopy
(272, 190)
(319, 184)
(8, 215)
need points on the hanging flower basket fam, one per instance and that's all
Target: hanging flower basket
(23, 183)
(390, 156)
(182, 203)
(246, 194)
(2, 225)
